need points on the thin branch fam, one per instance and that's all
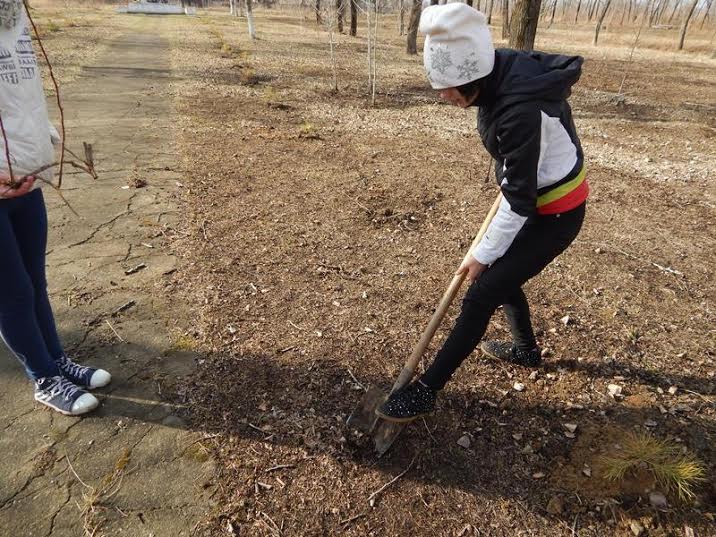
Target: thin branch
(57, 93)
(7, 152)
(372, 497)
(78, 477)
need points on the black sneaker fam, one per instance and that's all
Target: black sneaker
(81, 375)
(408, 403)
(60, 394)
(507, 352)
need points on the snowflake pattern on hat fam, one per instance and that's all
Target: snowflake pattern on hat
(469, 68)
(441, 60)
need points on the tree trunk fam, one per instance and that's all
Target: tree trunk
(402, 17)
(468, 2)
(554, 10)
(489, 12)
(505, 19)
(523, 25)
(592, 10)
(354, 17)
(685, 24)
(601, 19)
(250, 19)
(319, 19)
(706, 13)
(579, 5)
(673, 12)
(340, 14)
(412, 45)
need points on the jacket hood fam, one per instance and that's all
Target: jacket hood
(523, 76)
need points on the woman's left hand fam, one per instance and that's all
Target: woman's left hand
(6, 191)
(472, 267)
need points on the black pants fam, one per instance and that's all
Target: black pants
(540, 240)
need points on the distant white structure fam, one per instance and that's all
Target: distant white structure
(156, 7)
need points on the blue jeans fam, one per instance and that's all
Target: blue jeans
(26, 322)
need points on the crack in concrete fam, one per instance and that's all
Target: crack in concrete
(60, 508)
(110, 222)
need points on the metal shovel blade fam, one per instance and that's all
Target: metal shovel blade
(385, 434)
(364, 417)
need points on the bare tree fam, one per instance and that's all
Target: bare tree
(250, 19)
(673, 11)
(412, 45)
(354, 17)
(554, 9)
(489, 12)
(402, 17)
(685, 24)
(340, 14)
(600, 20)
(319, 19)
(505, 19)
(707, 9)
(523, 25)
(576, 16)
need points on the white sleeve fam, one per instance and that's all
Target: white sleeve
(499, 235)
(54, 135)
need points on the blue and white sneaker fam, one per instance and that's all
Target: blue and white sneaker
(83, 376)
(60, 394)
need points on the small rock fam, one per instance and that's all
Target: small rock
(534, 375)
(519, 387)
(464, 441)
(174, 421)
(614, 390)
(587, 471)
(517, 436)
(571, 427)
(650, 423)
(555, 506)
(538, 475)
(546, 352)
(570, 435)
(658, 500)
(636, 528)
(565, 320)
(673, 390)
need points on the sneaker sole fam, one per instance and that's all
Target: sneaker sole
(393, 419)
(488, 354)
(64, 412)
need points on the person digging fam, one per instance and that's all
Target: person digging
(525, 123)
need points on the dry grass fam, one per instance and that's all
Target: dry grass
(676, 472)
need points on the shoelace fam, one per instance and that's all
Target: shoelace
(62, 387)
(71, 368)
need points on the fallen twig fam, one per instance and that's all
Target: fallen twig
(115, 332)
(75, 473)
(351, 519)
(372, 497)
(280, 467)
(356, 380)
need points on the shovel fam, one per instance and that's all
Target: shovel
(364, 417)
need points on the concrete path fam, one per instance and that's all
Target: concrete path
(130, 468)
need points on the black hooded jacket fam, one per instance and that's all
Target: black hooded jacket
(526, 124)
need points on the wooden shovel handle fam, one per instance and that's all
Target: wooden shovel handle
(409, 368)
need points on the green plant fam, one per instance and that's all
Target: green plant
(674, 471)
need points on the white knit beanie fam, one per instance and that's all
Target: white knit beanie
(458, 46)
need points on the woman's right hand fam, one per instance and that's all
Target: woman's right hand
(6, 191)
